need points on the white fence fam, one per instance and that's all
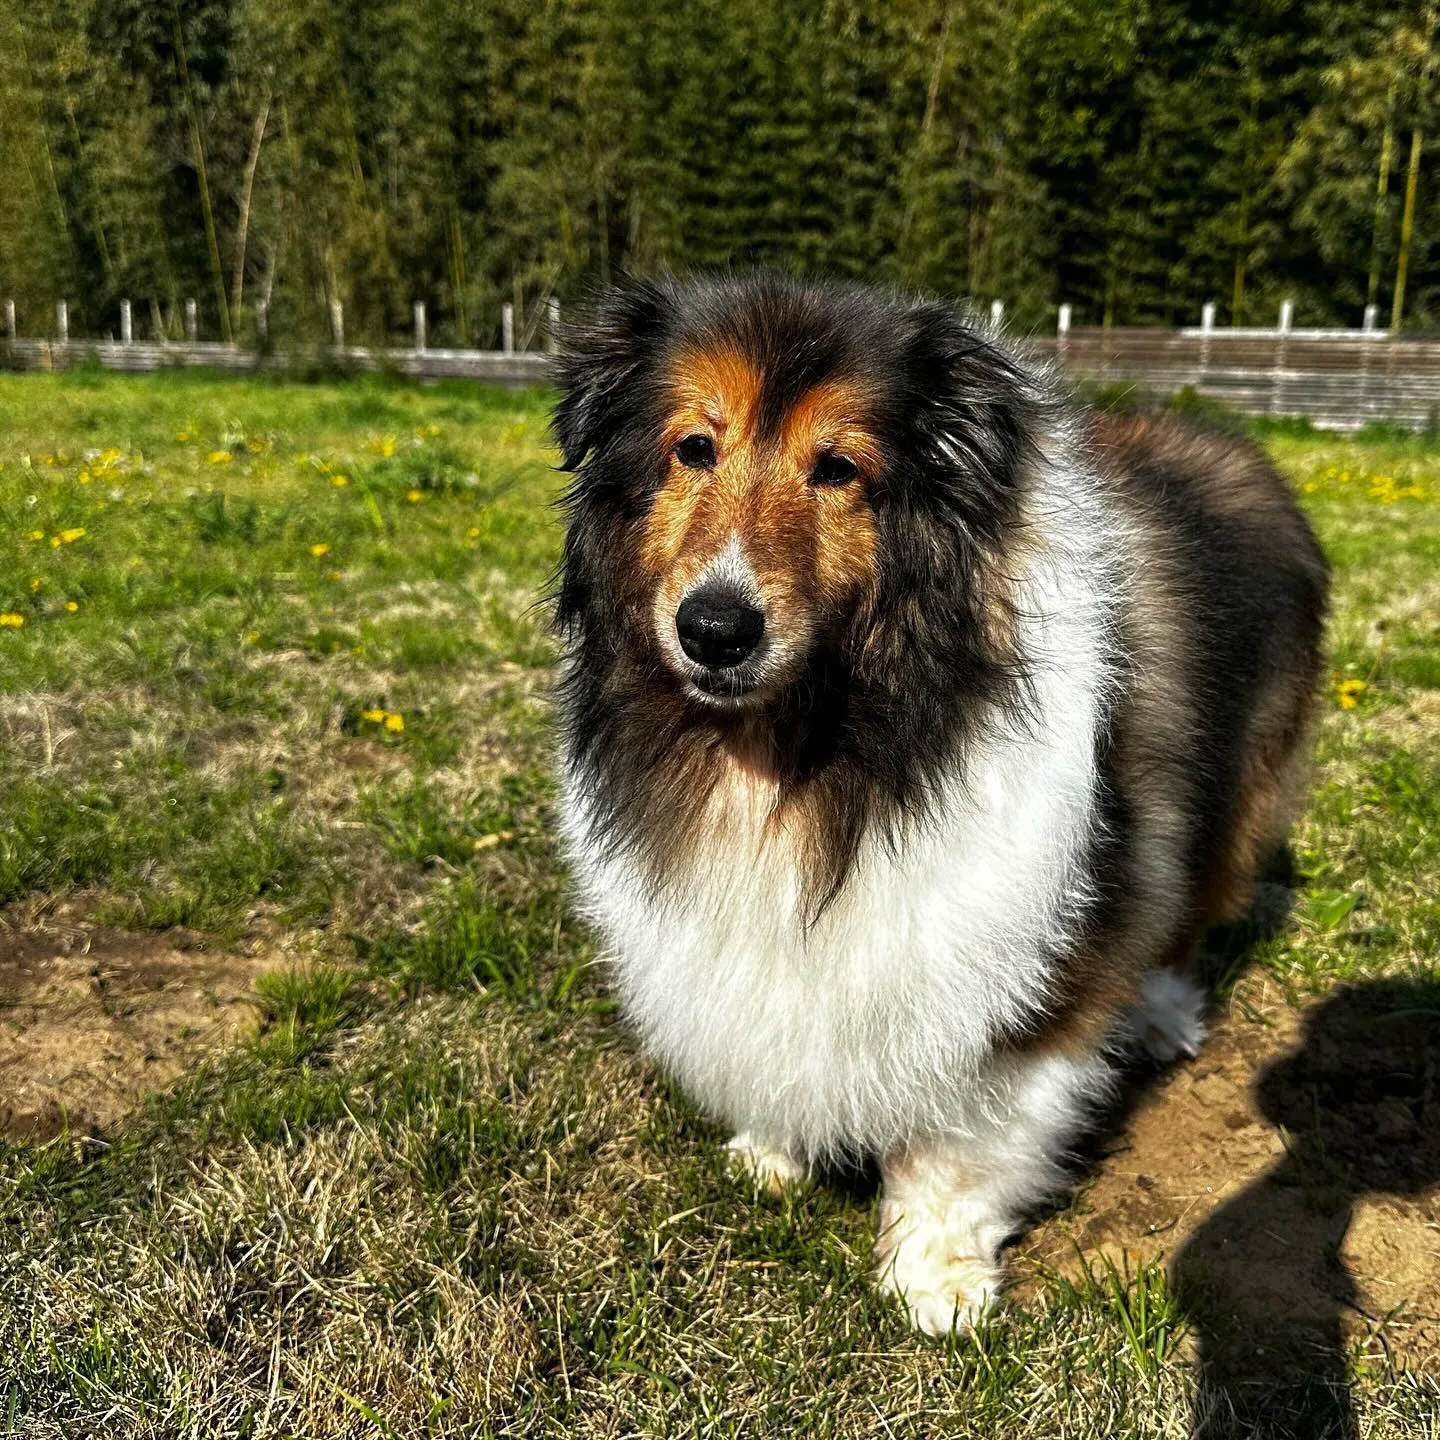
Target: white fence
(1337, 378)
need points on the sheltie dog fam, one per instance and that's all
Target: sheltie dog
(915, 724)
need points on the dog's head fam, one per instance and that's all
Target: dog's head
(768, 472)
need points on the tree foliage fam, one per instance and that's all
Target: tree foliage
(1135, 159)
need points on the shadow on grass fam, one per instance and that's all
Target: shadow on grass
(1263, 1281)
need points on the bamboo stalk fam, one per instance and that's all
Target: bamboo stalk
(1407, 229)
(1382, 193)
(927, 120)
(457, 274)
(206, 210)
(1242, 238)
(247, 190)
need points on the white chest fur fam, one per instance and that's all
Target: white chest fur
(880, 1022)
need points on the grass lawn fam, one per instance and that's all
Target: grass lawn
(320, 1120)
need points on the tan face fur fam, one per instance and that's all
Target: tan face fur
(804, 552)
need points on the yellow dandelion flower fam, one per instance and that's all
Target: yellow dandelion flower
(11, 621)
(219, 457)
(54, 542)
(473, 533)
(394, 722)
(36, 535)
(1349, 693)
(69, 537)
(339, 481)
(318, 550)
(35, 584)
(252, 637)
(71, 606)
(383, 445)
(83, 477)
(375, 717)
(414, 496)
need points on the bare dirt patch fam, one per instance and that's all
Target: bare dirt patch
(93, 1019)
(1288, 1179)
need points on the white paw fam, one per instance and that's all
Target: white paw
(942, 1287)
(1170, 1019)
(770, 1167)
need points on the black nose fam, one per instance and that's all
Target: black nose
(717, 627)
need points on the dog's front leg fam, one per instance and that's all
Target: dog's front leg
(940, 1232)
(771, 1167)
(952, 1199)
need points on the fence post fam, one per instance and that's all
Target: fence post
(997, 315)
(192, 322)
(1207, 329)
(552, 325)
(1367, 333)
(507, 328)
(1063, 327)
(1277, 391)
(127, 331)
(62, 321)
(337, 324)
(10, 319)
(262, 320)
(419, 325)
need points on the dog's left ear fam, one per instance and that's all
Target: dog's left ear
(602, 361)
(976, 411)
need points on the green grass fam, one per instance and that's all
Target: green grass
(438, 1193)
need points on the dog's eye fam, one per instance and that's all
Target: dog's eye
(696, 452)
(833, 470)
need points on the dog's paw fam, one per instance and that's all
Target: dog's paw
(1170, 1019)
(767, 1166)
(942, 1287)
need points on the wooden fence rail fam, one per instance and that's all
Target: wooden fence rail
(490, 367)
(1339, 379)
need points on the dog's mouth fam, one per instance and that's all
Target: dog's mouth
(730, 688)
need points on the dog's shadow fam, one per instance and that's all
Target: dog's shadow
(1262, 1281)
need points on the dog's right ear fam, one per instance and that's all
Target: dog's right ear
(602, 361)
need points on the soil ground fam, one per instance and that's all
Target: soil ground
(93, 1019)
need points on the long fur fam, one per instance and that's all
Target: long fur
(1042, 742)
